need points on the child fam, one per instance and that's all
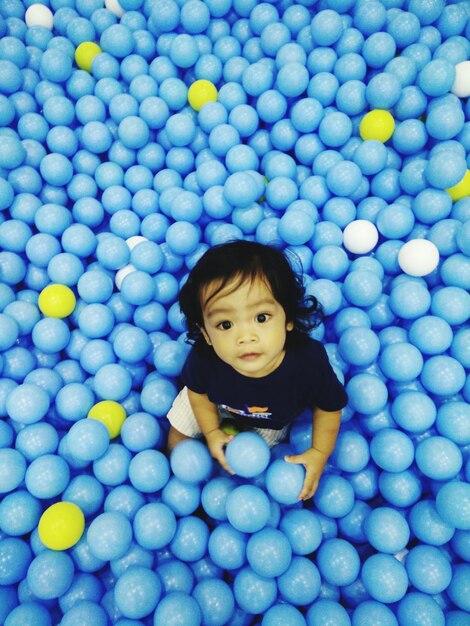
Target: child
(252, 357)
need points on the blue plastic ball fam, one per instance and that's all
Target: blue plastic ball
(253, 593)
(50, 574)
(248, 454)
(191, 461)
(189, 543)
(380, 567)
(88, 439)
(149, 471)
(137, 592)
(109, 536)
(248, 508)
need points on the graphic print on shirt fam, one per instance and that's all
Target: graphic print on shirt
(260, 412)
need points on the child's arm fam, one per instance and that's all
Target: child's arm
(324, 433)
(207, 418)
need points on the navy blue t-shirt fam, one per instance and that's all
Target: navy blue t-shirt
(304, 379)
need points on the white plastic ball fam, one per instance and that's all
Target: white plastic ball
(122, 273)
(39, 15)
(360, 236)
(132, 242)
(461, 86)
(114, 7)
(418, 257)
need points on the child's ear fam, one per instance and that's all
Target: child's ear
(205, 335)
(290, 326)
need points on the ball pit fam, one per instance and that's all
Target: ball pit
(134, 135)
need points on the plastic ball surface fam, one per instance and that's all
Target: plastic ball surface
(191, 462)
(418, 257)
(360, 236)
(85, 53)
(377, 124)
(384, 578)
(137, 592)
(61, 525)
(57, 301)
(111, 414)
(284, 481)
(248, 454)
(248, 509)
(201, 92)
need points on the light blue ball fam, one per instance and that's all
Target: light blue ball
(86, 492)
(445, 169)
(372, 612)
(88, 439)
(378, 567)
(215, 599)
(112, 382)
(324, 610)
(85, 609)
(251, 601)
(190, 540)
(248, 508)
(109, 536)
(338, 562)
(428, 569)
(190, 461)
(284, 481)
(214, 495)
(383, 91)
(13, 466)
(351, 453)
(175, 608)
(402, 362)
(149, 471)
(386, 530)
(248, 454)
(378, 49)
(27, 403)
(131, 345)
(437, 77)
(343, 178)
(227, 547)
(448, 453)
(416, 604)
(182, 237)
(444, 121)
(138, 288)
(392, 450)
(303, 530)
(449, 381)
(410, 300)
(137, 592)
(154, 525)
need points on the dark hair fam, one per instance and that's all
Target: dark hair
(247, 260)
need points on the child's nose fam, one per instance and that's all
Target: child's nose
(246, 334)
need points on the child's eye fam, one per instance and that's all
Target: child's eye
(262, 318)
(225, 325)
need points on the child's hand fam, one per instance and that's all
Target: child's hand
(314, 462)
(216, 442)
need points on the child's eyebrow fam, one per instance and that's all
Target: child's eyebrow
(227, 310)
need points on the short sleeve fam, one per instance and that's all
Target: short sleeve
(194, 374)
(331, 393)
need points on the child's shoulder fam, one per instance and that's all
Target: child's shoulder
(305, 349)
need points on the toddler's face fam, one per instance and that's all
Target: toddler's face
(246, 327)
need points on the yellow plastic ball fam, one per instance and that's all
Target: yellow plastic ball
(61, 525)
(85, 53)
(111, 414)
(200, 93)
(56, 301)
(461, 189)
(377, 124)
